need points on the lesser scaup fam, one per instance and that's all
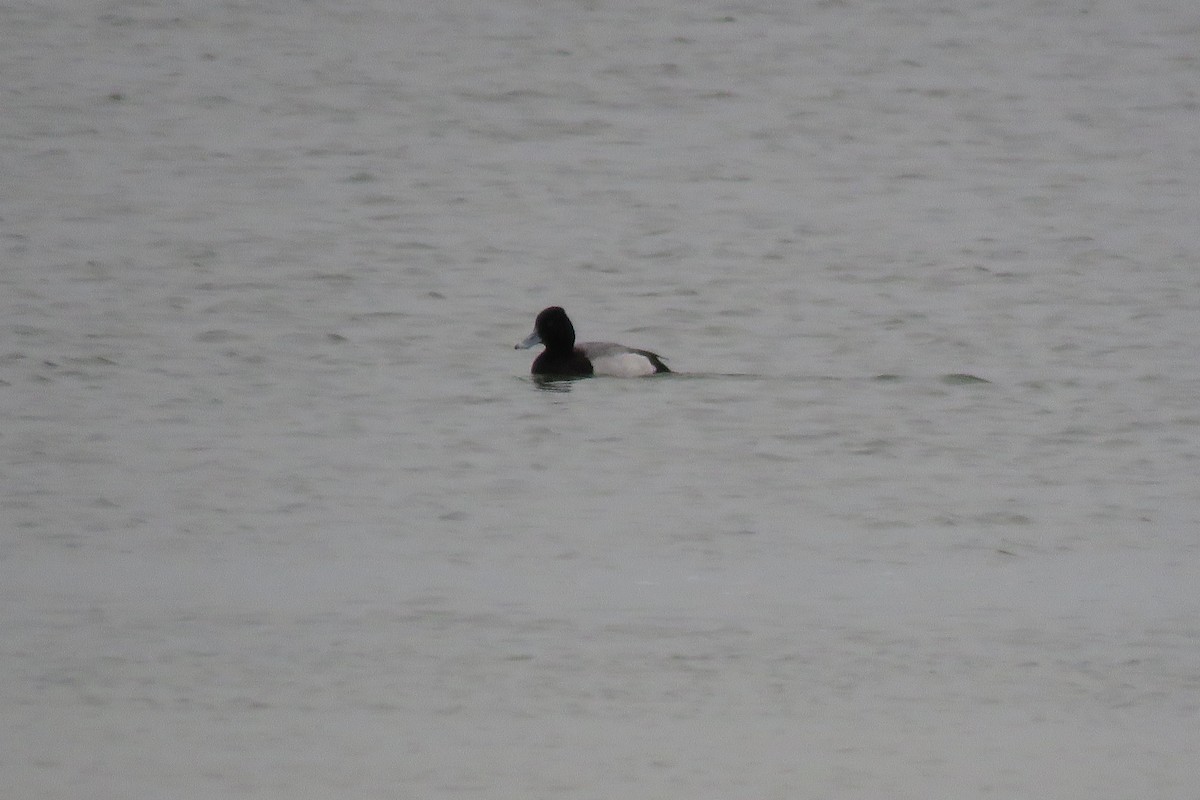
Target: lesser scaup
(565, 358)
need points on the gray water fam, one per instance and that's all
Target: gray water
(284, 516)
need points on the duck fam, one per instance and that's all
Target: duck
(566, 358)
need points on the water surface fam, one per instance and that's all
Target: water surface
(284, 515)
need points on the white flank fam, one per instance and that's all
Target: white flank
(623, 365)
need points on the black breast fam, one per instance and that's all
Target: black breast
(572, 364)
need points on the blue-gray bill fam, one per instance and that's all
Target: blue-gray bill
(528, 342)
